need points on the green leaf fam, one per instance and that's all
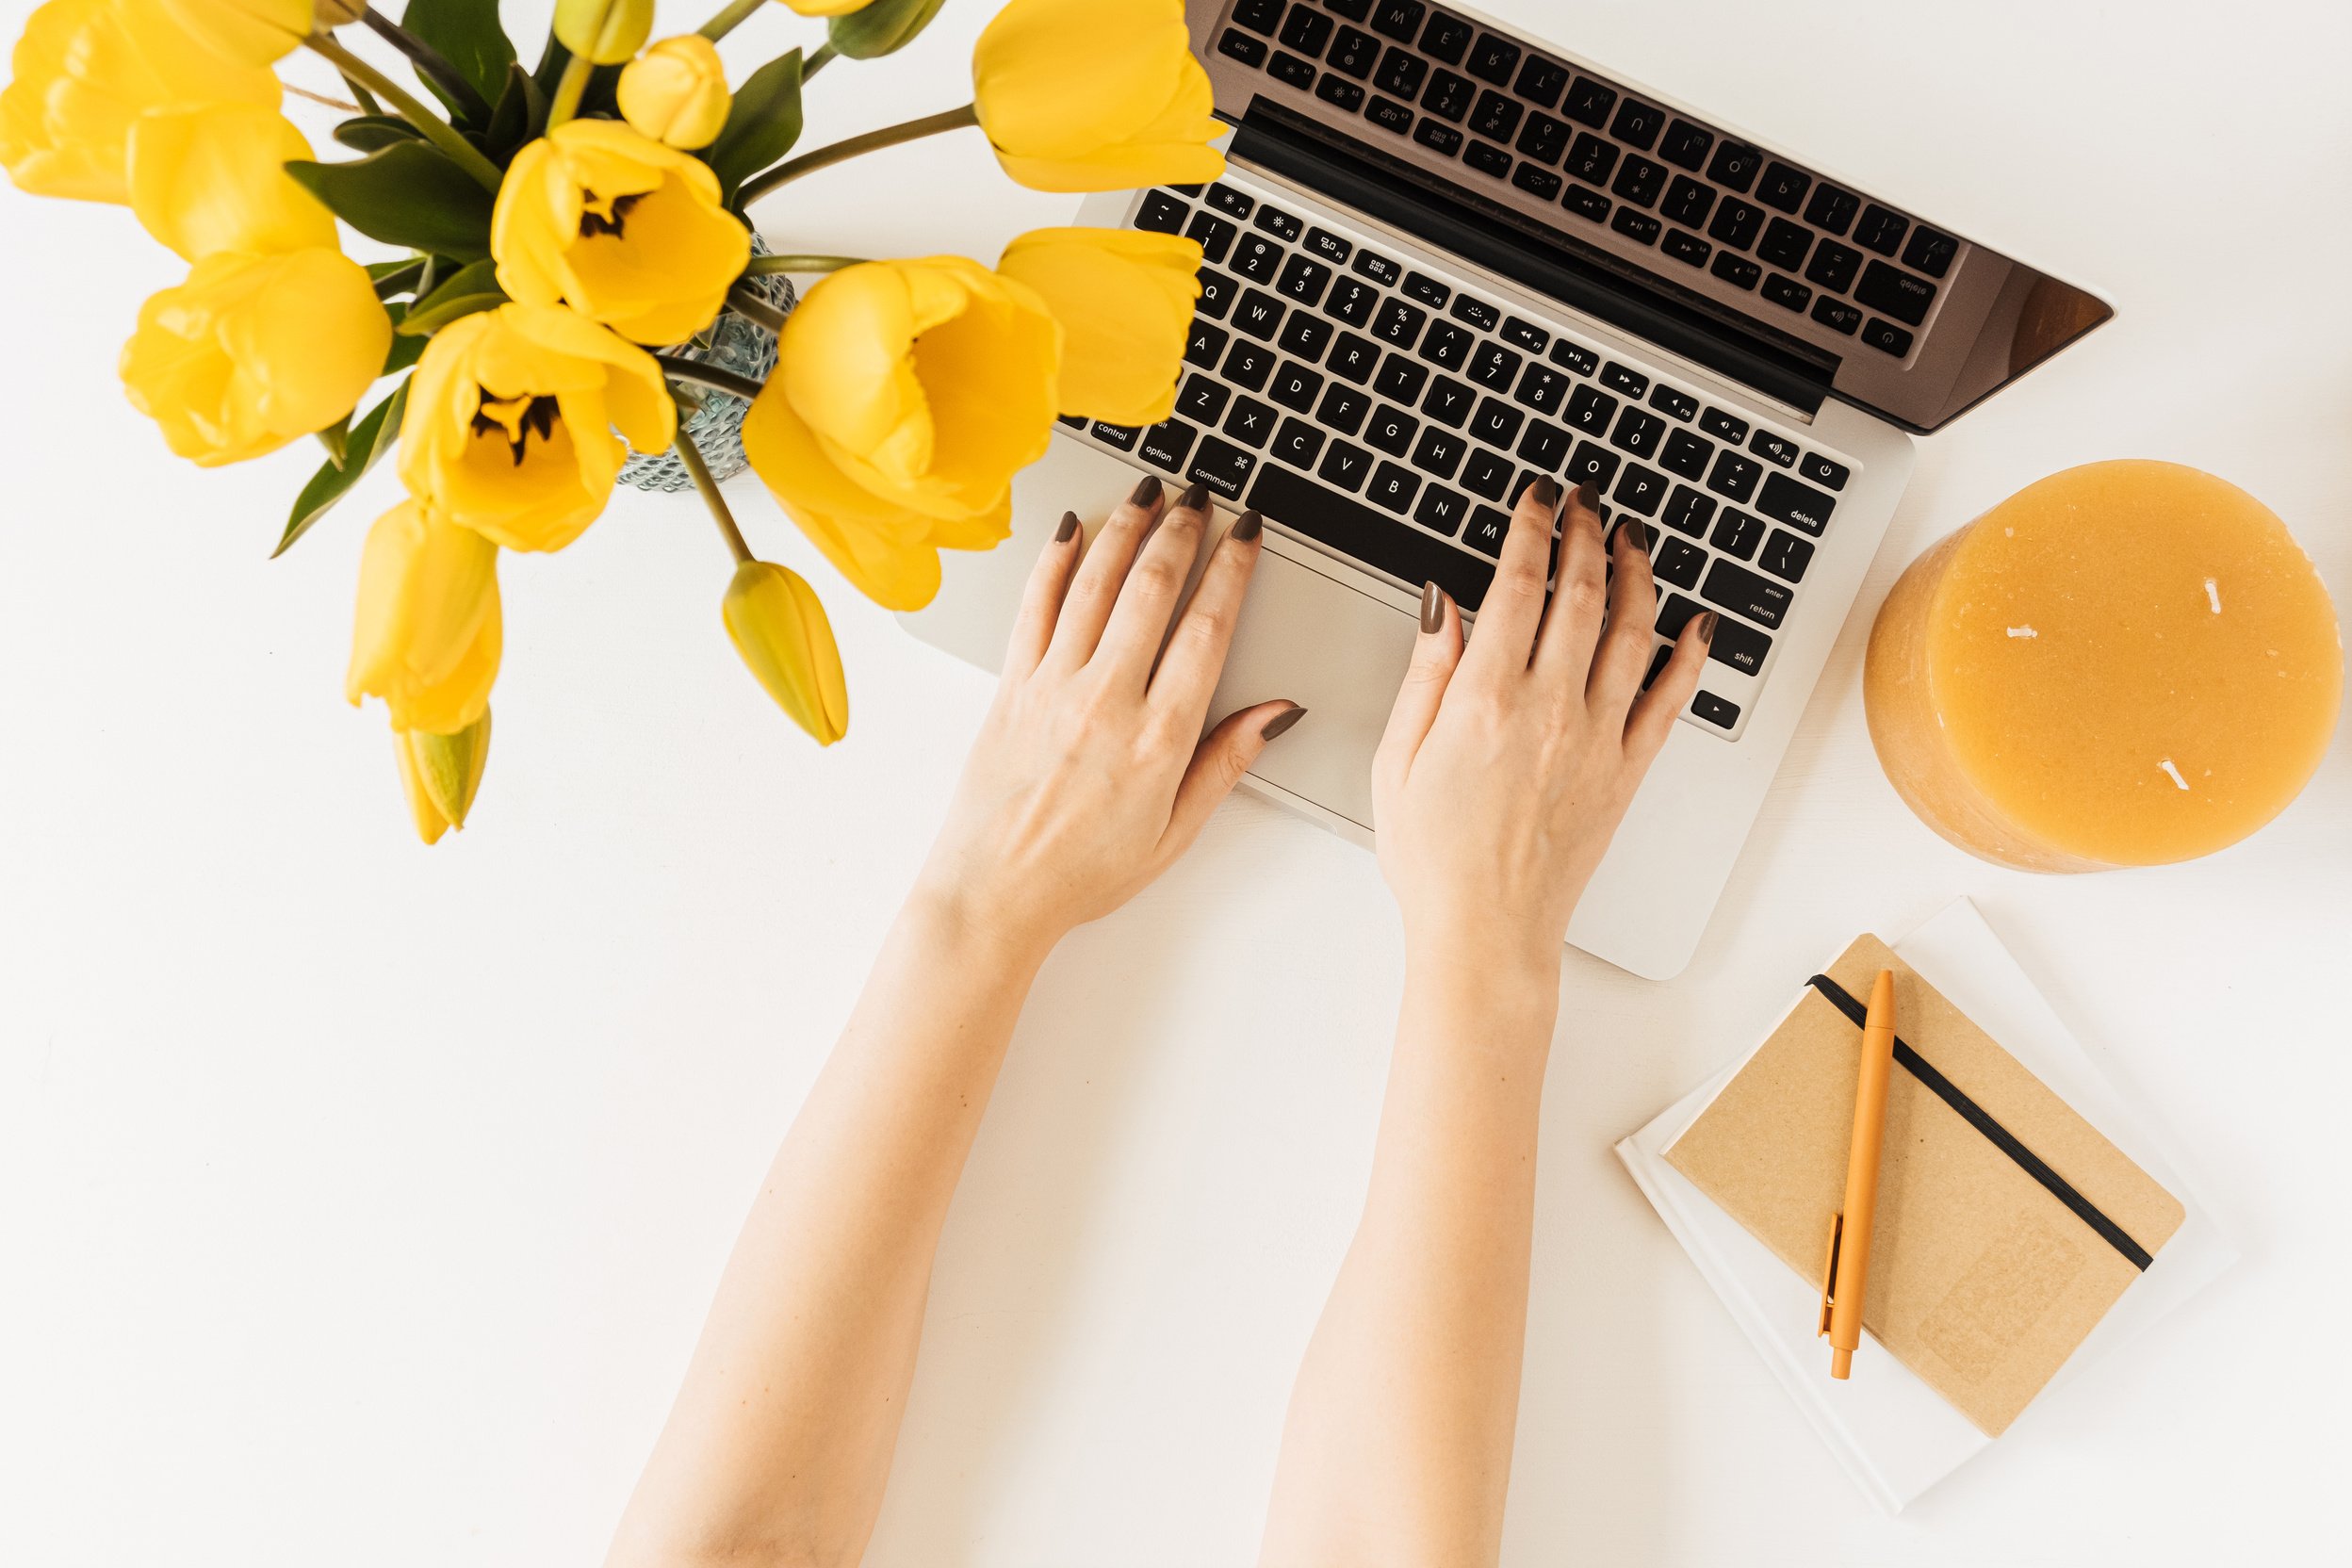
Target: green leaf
(404, 351)
(393, 278)
(377, 433)
(468, 290)
(762, 126)
(467, 35)
(408, 194)
(881, 28)
(372, 131)
(520, 117)
(336, 439)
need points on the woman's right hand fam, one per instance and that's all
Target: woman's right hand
(1508, 764)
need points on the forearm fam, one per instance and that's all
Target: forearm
(780, 1440)
(1397, 1448)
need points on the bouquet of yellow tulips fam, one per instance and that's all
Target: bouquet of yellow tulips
(553, 240)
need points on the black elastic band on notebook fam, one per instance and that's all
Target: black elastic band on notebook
(1978, 1118)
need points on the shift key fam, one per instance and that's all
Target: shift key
(1799, 505)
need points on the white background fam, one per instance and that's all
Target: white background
(359, 1204)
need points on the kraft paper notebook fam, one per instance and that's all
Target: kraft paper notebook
(2028, 1218)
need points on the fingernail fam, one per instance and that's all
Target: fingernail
(1069, 529)
(1432, 607)
(1588, 496)
(1249, 525)
(1281, 721)
(1196, 496)
(1637, 536)
(1707, 620)
(1144, 493)
(1547, 493)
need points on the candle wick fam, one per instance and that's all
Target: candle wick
(2174, 773)
(2212, 595)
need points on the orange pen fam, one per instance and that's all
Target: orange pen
(1845, 1278)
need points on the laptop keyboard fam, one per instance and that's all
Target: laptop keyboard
(1608, 159)
(1387, 411)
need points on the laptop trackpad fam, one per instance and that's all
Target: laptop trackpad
(1338, 651)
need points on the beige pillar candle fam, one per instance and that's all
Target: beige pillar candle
(2125, 664)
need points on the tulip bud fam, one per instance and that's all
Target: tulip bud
(440, 774)
(781, 632)
(603, 32)
(676, 93)
(881, 28)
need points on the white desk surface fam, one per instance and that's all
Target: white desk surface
(359, 1204)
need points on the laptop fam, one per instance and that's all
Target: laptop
(1447, 257)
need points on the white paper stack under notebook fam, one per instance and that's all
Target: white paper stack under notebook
(1893, 1433)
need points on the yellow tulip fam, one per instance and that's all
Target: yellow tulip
(85, 71)
(428, 633)
(1124, 300)
(441, 774)
(214, 179)
(254, 351)
(604, 31)
(827, 8)
(632, 233)
(1095, 95)
(254, 32)
(779, 627)
(511, 416)
(676, 93)
(907, 395)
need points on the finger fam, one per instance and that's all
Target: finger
(1186, 676)
(1572, 621)
(1147, 600)
(1086, 607)
(1041, 601)
(1655, 712)
(1218, 763)
(1514, 602)
(1625, 652)
(1436, 654)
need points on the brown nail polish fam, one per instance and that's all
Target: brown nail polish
(1144, 493)
(1194, 499)
(1588, 496)
(1432, 607)
(1069, 529)
(1248, 526)
(1281, 721)
(1636, 536)
(1547, 493)
(1707, 620)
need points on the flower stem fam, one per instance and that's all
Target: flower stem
(708, 375)
(336, 104)
(430, 62)
(761, 265)
(570, 88)
(888, 136)
(818, 61)
(734, 16)
(429, 125)
(744, 301)
(711, 497)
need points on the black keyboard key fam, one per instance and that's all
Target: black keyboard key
(1589, 102)
(1879, 230)
(1345, 466)
(1296, 443)
(1543, 137)
(1786, 293)
(1930, 252)
(1248, 365)
(1735, 222)
(1575, 356)
(1491, 161)
(1617, 378)
(1259, 314)
(1424, 289)
(1639, 227)
(1167, 444)
(1398, 18)
(1278, 223)
(1831, 208)
(1351, 302)
(1355, 358)
(1399, 323)
(1539, 81)
(1447, 38)
(1736, 644)
(1401, 72)
(1241, 46)
(1637, 124)
(1392, 487)
(1585, 201)
(1448, 345)
(1477, 312)
(1217, 294)
(1202, 398)
(1675, 403)
(1678, 562)
(1289, 69)
(1206, 343)
(1388, 115)
(1735, 269)
(1836, 315)
(1736, 534)
(1640, 489)
(1449, 402)
(1258, 15)
(1776, 450)
(1439, 453)
(1232, 203)
(1781, 188)
(1307, 30)
(1685, 145)
(1716, 710)
(1497, 422)
(1637, 433)
(1392, 429)
(1494, 59)
(1439, 138)
(1304, 280)
(1305, 335)
(1487, 473)
(1788, 500)
(1733, 165)
(1344, 409)
(1494, 367)
(1440, 510)
(1787, 555)
(1834, 265)
(1686, 454)
(1222, 467)
(1895, 293)
(1339, 92)
(1593, 464)
(1213, 234)
(1723, 426)
(1687, 512)
(1784, 244)
(1639, 180)
(1326, 246)
(1495, 117)
(1592, 160)
(1401, 379)
(1122, 437)
(1257, 258)
(1886, 337)
(1544, 444)
(1687, 202)
(1294, 387)
(1354, 52)
(1487, 528)
(1250, 422)
(1449, 96)
(1744, 592)
(1161, 213)
(1590, 410)
(1826, 472)
(1543, 390)
(1735, 476)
